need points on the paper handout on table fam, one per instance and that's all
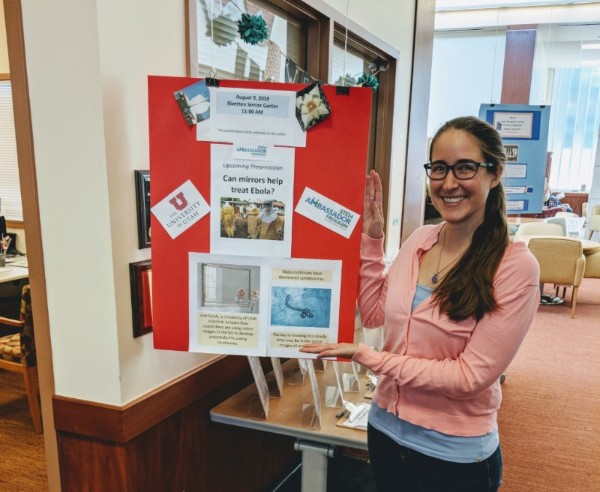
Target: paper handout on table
(359, 415)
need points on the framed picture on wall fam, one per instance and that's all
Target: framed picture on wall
(140, 276)
(142, 193)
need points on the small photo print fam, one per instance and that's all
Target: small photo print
(229, 288)
(194, 102)
(247, 219)
(301, 307)
(512, 152)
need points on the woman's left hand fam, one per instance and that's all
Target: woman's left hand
(346, 350)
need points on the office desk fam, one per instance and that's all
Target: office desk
(286, 417)
(15, 269)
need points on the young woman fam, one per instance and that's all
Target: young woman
(455, 307)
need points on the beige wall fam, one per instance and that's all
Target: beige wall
(89, 120)
(3, 51)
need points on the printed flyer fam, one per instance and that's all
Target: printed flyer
(251, 200)
(254, 115)
(262, 306)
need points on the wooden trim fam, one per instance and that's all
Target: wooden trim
(188, 39)
(413, 210)
(31, 218)
(4, 76)
(518, 65)
(15, 224)
(123, 423)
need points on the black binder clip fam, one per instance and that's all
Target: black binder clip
(211, 82)
(342, 90)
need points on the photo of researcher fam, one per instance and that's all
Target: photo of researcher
(245, 219)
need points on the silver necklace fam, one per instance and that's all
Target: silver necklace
(436, 276)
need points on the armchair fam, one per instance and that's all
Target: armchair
(531, 229)
(17, 354)
(593, 224)
(592, 265)
(561, 262)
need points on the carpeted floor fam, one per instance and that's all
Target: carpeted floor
(22, 459)
(550, 416)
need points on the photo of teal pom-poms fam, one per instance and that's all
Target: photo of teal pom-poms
(252, 29)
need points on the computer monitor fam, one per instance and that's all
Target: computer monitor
(3, 230)
(12, 247)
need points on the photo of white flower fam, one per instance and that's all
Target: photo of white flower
(311, 106)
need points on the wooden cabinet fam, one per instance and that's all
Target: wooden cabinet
(575, 200)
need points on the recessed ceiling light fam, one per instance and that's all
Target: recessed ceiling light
(590, 46)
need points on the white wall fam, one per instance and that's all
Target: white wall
(466, 72)
(67, 122)
(89, 121)
(4, 67)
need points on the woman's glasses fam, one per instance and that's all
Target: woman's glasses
(466, 169)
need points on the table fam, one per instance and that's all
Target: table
(15, 269)
(589, 246)
(286, 418)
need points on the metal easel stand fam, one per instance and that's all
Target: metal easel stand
(314, 464)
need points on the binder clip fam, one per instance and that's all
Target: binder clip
(211, 82)
(342, 90)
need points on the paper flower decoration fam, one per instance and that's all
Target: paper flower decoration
(252, 29)
(368, 81)
(311, 106)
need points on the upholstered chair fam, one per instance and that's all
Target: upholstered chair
(593, 224)
(592, 264)
(17, 354)
(566, 214)
(561, 262)
(532, 229)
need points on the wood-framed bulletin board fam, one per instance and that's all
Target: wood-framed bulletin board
(332, 165)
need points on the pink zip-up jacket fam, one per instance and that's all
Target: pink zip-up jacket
(435, 372)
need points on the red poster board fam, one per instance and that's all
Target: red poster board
(333, 163)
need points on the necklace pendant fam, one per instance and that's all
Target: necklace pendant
(435, 278)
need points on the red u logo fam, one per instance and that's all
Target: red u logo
(179, 201)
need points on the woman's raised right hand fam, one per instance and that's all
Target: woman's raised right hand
(372, 224)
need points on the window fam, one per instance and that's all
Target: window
(10, 188)
(231, 56)
(574, 123)
(303, 36)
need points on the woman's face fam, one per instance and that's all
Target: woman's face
(461, 202)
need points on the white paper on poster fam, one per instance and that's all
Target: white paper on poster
(304, 304)
(515, 205)
(515, 171)
(513, 125)
(227, 313)
(249, 115)
(252, 201)
(327, 212)
(180, 209)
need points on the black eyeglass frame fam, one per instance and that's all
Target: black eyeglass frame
(449, 168)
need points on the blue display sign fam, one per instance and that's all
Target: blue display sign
(524, 131)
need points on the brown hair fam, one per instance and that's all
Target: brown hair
(467, 290)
